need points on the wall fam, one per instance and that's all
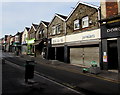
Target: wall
(80, 12)
(31, 33)
(24, 40)
(41, 27)
(57, 21)
(109, 9)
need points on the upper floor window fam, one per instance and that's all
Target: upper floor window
(76, 24)
(41, 33)
(85, 22)
(58, 29)
(53, 30)
(32, 35)
(16, 38)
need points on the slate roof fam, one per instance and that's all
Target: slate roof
(46, 23)
(27, 28)
(62, 16)
(35, 26)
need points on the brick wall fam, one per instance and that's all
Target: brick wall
(111, 9)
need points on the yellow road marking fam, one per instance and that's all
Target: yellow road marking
(71, 70)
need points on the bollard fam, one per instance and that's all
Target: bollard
(29, 70)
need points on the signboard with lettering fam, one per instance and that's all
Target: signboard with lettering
(58, 40)
(111, 30)
(88, 35)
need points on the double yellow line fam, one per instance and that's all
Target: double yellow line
(90, 75)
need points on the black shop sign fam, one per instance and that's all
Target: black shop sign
(110, 30)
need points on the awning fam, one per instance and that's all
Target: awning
(37, 42)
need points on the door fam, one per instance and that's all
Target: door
(112, 55)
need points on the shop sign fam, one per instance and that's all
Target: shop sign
(88, 35)
(31, 41)
(116, 29)
(58, 40)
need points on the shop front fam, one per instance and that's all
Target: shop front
(110, 33)
(58, 48)
(83, 48)
(24, 48)
(16, 48)
(30, 47)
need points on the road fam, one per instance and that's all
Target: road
(13, 83)
(86, 84)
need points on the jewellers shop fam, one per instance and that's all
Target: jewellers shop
(57, 48)
(110, 33)
(83, 48)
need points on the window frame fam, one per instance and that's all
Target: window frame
(77, 21)
(53, 30)
(58, 27)
(85, 20)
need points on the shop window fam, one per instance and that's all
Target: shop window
(76, 24)
(85, 22)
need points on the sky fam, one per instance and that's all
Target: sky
(18, 15)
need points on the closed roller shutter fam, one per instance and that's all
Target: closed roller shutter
(76, 55)
(91, 54)
(84, 55)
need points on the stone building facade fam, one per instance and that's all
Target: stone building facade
(56, 37)
(31, 39)
(17, 43)
(110, 33)
(24, 40)
(82, 42)
(41, 39)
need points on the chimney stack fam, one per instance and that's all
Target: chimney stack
(109, 8)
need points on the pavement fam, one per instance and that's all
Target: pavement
(104, 75)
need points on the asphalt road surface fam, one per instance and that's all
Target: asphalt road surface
(88, 85)
(13, 83)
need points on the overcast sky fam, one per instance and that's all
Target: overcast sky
(17, 15)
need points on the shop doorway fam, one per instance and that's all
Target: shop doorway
(51, 53)
(112, 55)
(60, 54)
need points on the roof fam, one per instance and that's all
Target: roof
(18, 33)
(87, 4)
(35, 25)
(62, 17)
(27, 28)
(46, 23)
